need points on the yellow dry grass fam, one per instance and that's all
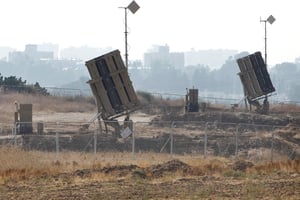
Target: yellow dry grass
(17, 164)
(286, 108)
(287, 166)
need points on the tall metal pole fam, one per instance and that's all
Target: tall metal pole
(133, 7)
(266, 43)
(126, 45)
(271, 20)
(265, 21)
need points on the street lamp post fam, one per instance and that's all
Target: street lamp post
(133, 7)
(271, 20)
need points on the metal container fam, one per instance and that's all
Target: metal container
(111, 85)
(254, 76)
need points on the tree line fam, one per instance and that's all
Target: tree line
(14, 84)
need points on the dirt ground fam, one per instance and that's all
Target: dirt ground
(83, 117)
(170, 180)
(255, 131)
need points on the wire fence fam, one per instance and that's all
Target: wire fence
(239, 141)
(211, 97)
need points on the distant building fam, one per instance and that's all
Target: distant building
(177, 60)
(211, 58)
(49, 47)
(161, 55)
(4, 51)
(31, 53)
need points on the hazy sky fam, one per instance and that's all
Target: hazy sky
(182, 24)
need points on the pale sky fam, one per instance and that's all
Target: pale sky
(182, 24)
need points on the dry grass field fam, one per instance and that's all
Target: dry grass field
(32, 174)
(43, 105)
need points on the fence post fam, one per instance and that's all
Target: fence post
(259, 156)
(272, 144)
(205, 139)
(15, 135)
(95, 144)
(57, 141)
(236, 141)
(171, 145)
(133, 142)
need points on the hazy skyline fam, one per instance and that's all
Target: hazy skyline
(183, 25)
